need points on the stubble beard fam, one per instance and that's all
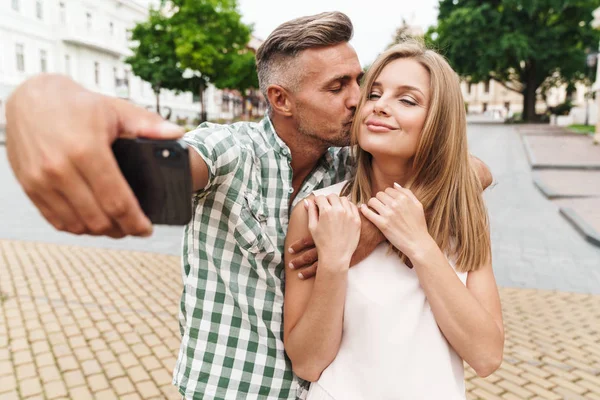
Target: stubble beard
(341, 139)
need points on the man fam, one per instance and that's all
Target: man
(246, 177)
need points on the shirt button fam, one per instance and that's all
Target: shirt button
(291, 190)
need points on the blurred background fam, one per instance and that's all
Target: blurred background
(84, 317)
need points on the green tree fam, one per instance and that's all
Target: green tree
(154, 58)
(519, 43)
(211, 40)
(241, 74)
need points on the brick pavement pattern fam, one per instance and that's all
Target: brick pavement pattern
(86, 323)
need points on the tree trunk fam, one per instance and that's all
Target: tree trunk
(529, 93)
(244, 108)
(157, 93)
(202, 109)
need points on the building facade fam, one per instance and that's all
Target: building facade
(88, 41)
(492, 97)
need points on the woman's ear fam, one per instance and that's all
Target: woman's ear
(280, 100)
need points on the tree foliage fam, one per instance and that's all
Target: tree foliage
(212, 40)
(520, 43)
(187, 44)
(154, 59)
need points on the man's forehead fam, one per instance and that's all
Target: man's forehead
(329, 63)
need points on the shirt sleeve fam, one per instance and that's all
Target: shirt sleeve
(218, 147)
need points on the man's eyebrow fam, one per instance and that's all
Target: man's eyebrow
(339, 78)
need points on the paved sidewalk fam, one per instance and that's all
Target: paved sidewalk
(567, 171)
(84, 323)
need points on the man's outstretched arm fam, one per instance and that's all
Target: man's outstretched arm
(58, 141)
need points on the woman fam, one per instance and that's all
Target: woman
(382, 330)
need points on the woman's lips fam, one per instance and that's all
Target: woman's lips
(378, 126)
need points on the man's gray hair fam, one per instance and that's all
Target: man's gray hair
(274, 58)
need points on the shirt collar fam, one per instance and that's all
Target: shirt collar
(273, 138)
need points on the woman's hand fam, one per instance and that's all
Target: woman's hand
(334, 223)
(399, 216)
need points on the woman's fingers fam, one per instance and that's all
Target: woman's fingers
(372, 216)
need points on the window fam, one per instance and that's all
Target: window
(97, 73)
(39, 9)
(111, 28)
(469, 87)
(63, 12)
(15, 5)
(225, 103)
(68, 64)
(486, 87)
(88, 19)
(115, 76)
(43, 61)
(20, 57)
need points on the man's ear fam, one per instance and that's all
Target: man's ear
(280, 100)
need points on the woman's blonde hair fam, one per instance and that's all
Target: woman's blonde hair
(443, 179)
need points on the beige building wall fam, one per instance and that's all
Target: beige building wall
(492, 96)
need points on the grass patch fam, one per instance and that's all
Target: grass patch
(583, 129)
(3, 297)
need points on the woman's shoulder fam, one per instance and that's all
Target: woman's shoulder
(333, 189)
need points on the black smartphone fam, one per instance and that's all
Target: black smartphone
(158, 172)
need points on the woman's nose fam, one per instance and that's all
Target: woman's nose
(380, 107)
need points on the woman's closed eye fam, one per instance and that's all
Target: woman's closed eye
(408, 101)
(373, 96)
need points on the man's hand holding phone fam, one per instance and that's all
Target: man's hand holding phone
(58, 141)
(158, 172)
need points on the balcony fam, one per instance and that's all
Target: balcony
(99, 40)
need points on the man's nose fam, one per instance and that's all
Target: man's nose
(354, 96)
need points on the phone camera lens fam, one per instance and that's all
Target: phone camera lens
(166, 153)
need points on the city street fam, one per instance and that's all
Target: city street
(92, 318)
(533, 245)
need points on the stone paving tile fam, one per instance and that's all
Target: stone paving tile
(124, 304)
(573, 151)
(587, 208)
(568, 183)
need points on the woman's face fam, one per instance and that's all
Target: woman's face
(394, 113)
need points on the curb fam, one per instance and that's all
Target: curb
(587, 167)
(535, 165)
(528, 151)
(545, 190)
(581, 226)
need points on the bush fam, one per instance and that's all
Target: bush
(561, 109)
(516, 118)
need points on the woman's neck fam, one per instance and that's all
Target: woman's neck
(385, 174)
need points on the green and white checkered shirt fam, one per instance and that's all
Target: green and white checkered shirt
(231, 310)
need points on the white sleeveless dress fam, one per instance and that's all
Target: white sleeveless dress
(391, 345)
